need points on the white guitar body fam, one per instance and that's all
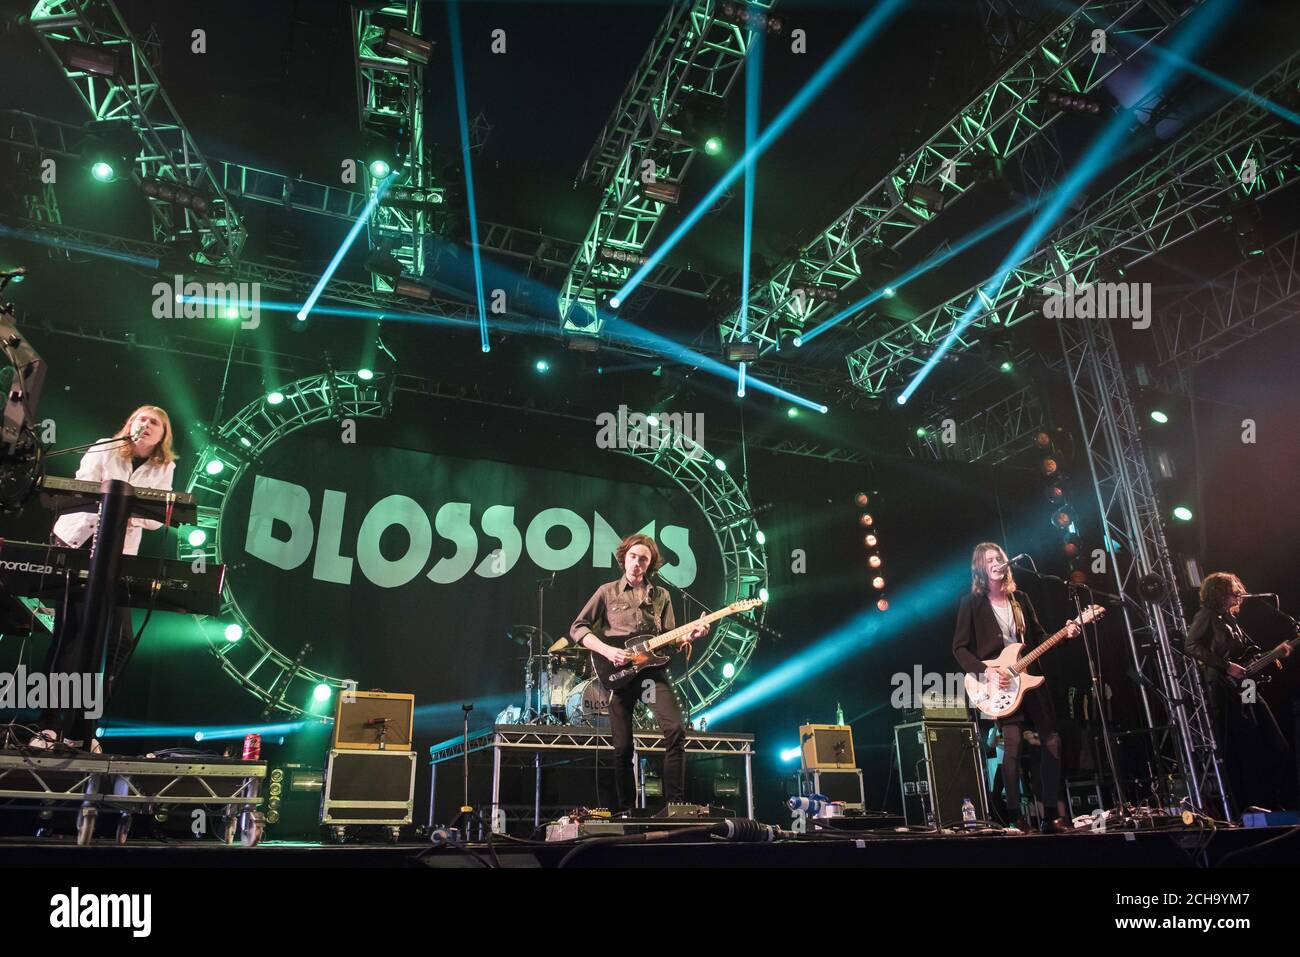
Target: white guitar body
(995, 702)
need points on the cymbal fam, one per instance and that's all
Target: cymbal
(525, 634)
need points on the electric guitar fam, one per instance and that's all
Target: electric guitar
(643, 648)
(995, 702)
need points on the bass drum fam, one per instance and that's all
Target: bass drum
(588, 705)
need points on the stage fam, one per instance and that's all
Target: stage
(1175, 847)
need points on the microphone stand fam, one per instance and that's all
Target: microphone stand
(1094, 673)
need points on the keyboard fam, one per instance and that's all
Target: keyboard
(74, 495)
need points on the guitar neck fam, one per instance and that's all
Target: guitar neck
(1041, 650)
(677, 634)
(1259, 664)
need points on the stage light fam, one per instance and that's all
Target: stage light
(740, 351)
(865, 520)
(380, 169)
(233, 633)
(889, 292)
(760, 537)
(1055, 494)
(196, 537)
(1050, 466)
(198, 735)
(1070, 548)
(792, 413)
(542, 366)
(1182, 513)
(870, 541)
(321, 692)
(878, 583)
(1042, 440)
(215, 467)
(178, 194)
(1006, 365)
(408, 46)
(1062, 518)
(1073, 102)
(1079, 576)
(615, 302)
(652, 420)
(728, 670)
(1159, 417)
(920, 432)
(874, 561)
(88, 58)
(365, 375)
(713, 145)
(245, 442)
(102, 171)
(661, 191)
(883, 604)
(762, 595)
(384, 264)
(274, 398)
(789, 754)
(412, 290)
(862, 499)
(1151, 587)
(720, 465)
(232, 312)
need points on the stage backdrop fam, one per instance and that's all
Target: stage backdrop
(404, 569)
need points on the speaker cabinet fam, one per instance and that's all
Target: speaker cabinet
(826, 746)
(939, 765)
(373, 721)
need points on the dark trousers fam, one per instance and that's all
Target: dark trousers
(68, 654)
(1037, 708)
(655, 690)
(1254, 750)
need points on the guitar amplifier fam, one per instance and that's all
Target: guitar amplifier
(369, 787)
(373, 721)
(835, 784)
(939, 765)
(826, 746)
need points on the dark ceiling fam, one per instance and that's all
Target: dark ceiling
(276, 89)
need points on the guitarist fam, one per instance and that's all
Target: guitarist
(1253, 747)
(617, 611)
(995, 614)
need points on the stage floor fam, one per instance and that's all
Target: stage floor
(1170, 848)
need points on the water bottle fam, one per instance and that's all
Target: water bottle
(839, 714)
(967, 813)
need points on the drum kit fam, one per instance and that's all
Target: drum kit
(560, 685)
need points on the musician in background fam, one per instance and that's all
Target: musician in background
(993, 615)
(620, 610)
(140, 453)
(1251, 743)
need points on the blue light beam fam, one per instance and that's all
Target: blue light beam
(753, 89)
(453, 20)
(348, 240)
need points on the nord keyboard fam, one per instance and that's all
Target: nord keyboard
(32, 570)
(74, 495)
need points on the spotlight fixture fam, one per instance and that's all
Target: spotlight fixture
(624, 257)
(703, 121)
(89, 58)
(408, 46)
(662, 191)
(405, 286)
(741, 351)
(871, 541)
(582, 343)
(865, 520)
(883, 604)
(878, 583)
(542, 366)
(413, 198)
(385, 264)
(178, 194)
(862, 499)
(925, 197)
(816, 293)
(1073, 102)
(1050, 466)
(742, 15)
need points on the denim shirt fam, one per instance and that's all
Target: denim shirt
(613, 613)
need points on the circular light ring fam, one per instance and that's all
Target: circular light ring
(257, 426)
(253, 661)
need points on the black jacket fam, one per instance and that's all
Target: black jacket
(978, 637)
(1214, 637)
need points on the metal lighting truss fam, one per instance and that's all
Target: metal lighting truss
(390, 94)
(1133, 531)
(994, 127)
(1189, 184)
(693, 53)
(1234, 307)
(992, 435)
(134, 98)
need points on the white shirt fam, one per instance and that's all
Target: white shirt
(102, 463)
(1007, 624)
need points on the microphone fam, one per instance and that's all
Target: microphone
(1003, 566)
(138, 431)
(1260, 594)
(13, 273)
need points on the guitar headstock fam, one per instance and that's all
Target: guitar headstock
(745, 604)
(1090, 614)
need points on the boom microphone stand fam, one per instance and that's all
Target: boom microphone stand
(1090, 652)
